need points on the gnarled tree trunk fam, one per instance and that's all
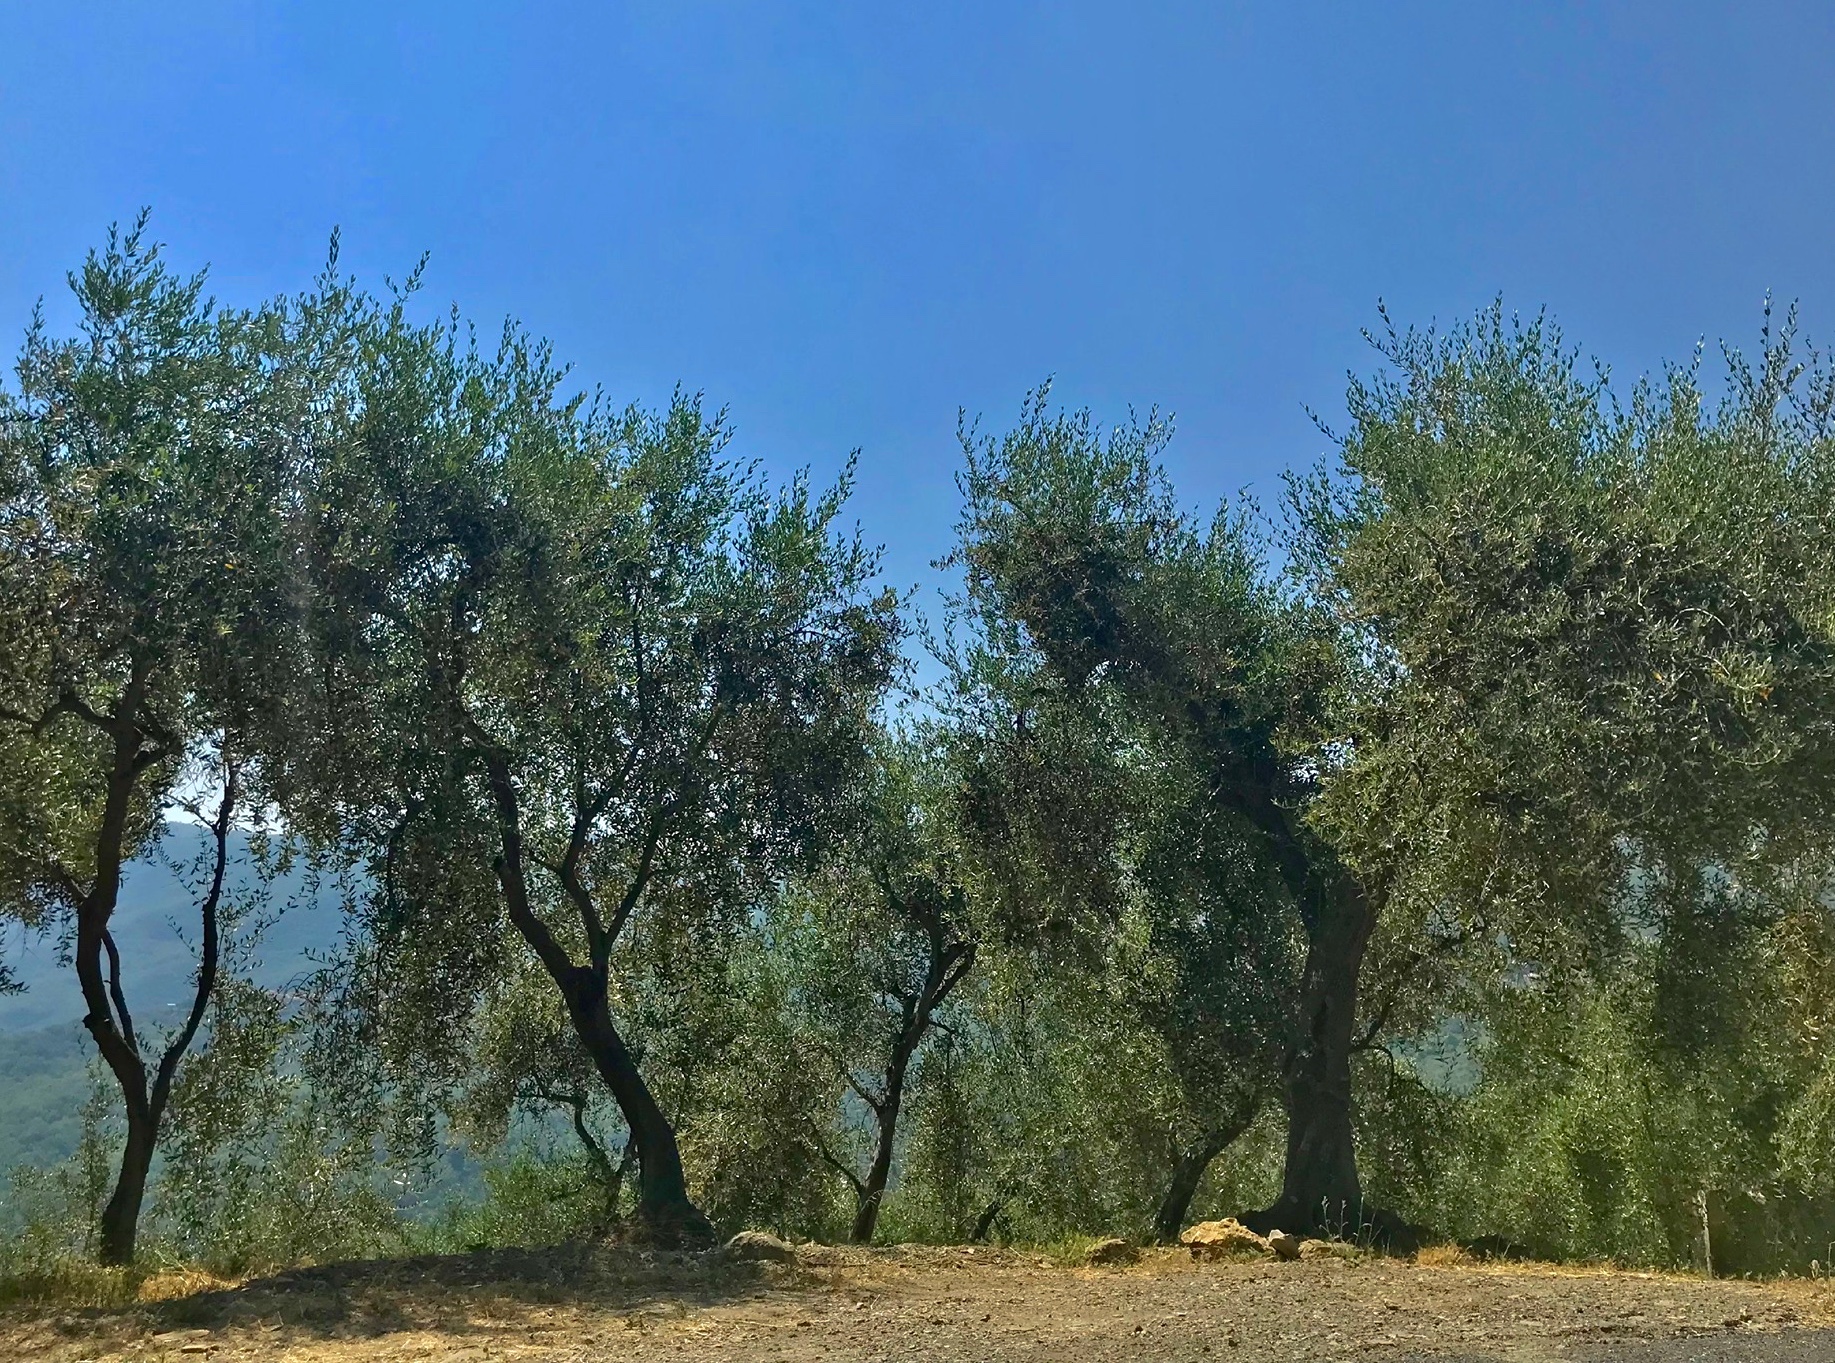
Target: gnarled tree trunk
(1320, 1190)
(665, 1214)
(108, 1020)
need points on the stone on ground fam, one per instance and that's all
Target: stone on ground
(1327, 1249)
(757, 1244)
(1285, 1244)
(1215, 1239)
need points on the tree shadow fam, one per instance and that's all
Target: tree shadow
(479, 1291)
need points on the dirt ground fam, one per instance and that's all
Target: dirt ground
(942, 1306)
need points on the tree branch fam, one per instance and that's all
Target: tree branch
(511, 875)
(208, 947)
(854, 1180)
(575, 1102)
(956, 971)
(115, 994)
(1380, 1019)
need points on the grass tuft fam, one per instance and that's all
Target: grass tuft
(1443, 1256)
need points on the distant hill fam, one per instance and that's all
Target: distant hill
(156, 928)
(44, 1054)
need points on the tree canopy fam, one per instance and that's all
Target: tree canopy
(1444, 849)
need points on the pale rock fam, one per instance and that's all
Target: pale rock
(757, 1244)
(1327, 1249)
(1215, 1239)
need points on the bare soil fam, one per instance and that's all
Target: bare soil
(942, 1306)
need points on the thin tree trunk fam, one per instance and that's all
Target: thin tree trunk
(108, 1020)
(609, 1175)
(1319, 1187)
(872, 1190)
(1190, 1169)
(985, 1222)
(611, 1179)
(114, 1036)
(949, 965)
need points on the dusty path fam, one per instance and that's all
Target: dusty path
(945, 1306)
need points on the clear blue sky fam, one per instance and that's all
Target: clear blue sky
(847, 220)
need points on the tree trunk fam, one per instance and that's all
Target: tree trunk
(121, 1216)
(665, 1214)
(1189, 1171)
(114, 1030)
(950, 962)
(872, 1190)
(1319, 1186)
(106, 1016)
(985, 1222)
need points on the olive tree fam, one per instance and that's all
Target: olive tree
(1152, 705)
(870, 950)
(144, 610)
(1603, 632)
(574, 670)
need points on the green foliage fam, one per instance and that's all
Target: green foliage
(146, 568)
(1523, 748)
(50, 1213)
(261, 1170)
(586, 690)
(1602, 633)
(530, 1202)
(1052, 1105)
(1149, 715)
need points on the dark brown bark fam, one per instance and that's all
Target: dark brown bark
(109, 1024)
(949, 964)
(1190, 1169)
(1320, 1190)
(107, 1019)
(985, 1222)
(665, 1214)
(871, 1191)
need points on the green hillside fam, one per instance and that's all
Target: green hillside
(44, 1055)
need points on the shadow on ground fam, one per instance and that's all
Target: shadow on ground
(445, 1290)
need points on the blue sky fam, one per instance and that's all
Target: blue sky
(847, 221)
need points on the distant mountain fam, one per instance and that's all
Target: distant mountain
(156, 929)
(44, 1078)
(44, 1054)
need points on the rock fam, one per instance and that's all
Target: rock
(1327, 1249)
(1215, 1239)
(760, 1245)
(1112, 1251)
(1284, 1244)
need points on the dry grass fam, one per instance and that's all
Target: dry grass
(76, 1285)
(172, 1284)
(1444, 1256)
